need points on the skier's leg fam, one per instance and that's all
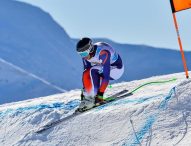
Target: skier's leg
(91, 83)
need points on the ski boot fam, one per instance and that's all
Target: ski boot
(99, 99)
(86, 103)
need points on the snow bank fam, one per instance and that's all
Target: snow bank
(157, 114)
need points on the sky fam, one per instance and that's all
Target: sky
(147, 22)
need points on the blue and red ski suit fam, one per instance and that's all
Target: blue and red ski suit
(105, 64)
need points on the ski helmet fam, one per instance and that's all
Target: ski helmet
(84, 47)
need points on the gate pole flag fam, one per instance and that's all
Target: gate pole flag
(179, 5)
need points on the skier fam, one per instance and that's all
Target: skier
(101, 64)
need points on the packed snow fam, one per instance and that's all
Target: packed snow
(156, 114)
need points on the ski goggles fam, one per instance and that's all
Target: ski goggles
(84, 54)
(87, 51)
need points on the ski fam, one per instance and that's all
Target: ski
(119, 93)
(114, 97)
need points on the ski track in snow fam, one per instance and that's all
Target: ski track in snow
(150, 117)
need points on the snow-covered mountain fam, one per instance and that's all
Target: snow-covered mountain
(157, 114)
(31, 40)
(38, 58)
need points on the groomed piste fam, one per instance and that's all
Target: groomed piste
(157, 113)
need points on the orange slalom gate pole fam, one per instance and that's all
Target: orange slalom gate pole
(180, 44)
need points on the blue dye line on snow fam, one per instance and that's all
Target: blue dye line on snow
(145, 128)
(59, 105)
(163, 104)
(70, 105)
(74, 103)
(149, 122)
(140, 135)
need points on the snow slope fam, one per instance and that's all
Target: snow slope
(16, 83)
(155, 115)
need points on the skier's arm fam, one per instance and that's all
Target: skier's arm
(86, 64)
(105, 57)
